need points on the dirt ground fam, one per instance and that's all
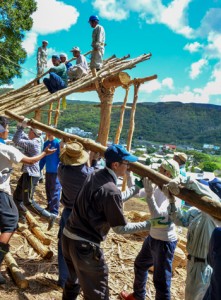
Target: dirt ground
(42, 274)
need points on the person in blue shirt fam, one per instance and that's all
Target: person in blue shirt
(52, 184)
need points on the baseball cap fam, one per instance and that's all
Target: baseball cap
(117, 153)
(63, 55)
(55, 56)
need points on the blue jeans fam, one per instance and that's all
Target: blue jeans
(53, 190)
(54, 83)
(62, 267)
(160, 255)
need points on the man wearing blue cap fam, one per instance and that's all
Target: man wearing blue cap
(98, 42)
(97, 208)
(58, 79)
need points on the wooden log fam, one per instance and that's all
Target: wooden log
(57, 113)
(35, 243)
(17, 275)
(121, 122)
(204, 203)
(121, 79)
(33, 224)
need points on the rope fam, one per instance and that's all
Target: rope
(17, 64)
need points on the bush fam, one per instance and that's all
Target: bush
(209, 166)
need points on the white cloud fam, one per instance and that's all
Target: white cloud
(174, 15)
(110, 9)
(168, 82)
(213, 49)
(29, 44)
(193, 47)
(186, 97)
(196, 68)
(210, 22)
(150, 86)
(155, 85)
(51, 16)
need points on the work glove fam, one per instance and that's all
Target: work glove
(24, 123)
(148, 187)
(129, 176)
(159, 223)
(139, 183)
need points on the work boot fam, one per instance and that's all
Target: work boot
(125, 295)
(4, 248)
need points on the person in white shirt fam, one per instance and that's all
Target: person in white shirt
(158, 248)
(9, 155)
(81, 68)
(98, 43)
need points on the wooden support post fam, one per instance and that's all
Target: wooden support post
(17, 275)
(106, 98)
(120, 126)
(50, 113)
(57, 114)
(36, 229)
(38, 115)
(132, 125)
(35, 243)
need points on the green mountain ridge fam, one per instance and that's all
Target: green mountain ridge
(164, 122)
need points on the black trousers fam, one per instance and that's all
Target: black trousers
(23, 196)
(8, 213)
(87, 270)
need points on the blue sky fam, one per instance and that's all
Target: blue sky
(182, 35)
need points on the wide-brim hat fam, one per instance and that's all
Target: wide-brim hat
(182, 156)
(73, 154)
(172, 167)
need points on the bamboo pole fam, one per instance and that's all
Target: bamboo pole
(121, 122)
(57, 113)
(33, 224)
(17, 275)
(204, 203)
(35, 243)
(50, 113)
(132, 125)
(38, 115)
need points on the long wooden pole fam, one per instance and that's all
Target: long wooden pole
(203, 203)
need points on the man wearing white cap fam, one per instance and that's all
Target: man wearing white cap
(81, 67)
(24, 192)
(63, 58)
(42, 55)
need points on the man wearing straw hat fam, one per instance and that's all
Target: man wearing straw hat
(81, 67)
(72, 172)
(97, 208)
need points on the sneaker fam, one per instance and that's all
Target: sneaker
(51, 221)
(2, 279)
(127, 296)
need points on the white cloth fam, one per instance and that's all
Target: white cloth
(8, 156)
(81, 61)
(158, 204)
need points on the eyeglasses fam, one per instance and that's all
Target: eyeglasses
(124, 163)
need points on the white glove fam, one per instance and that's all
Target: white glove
(173, 186)
(130, 182)
(148, 186)
(24, 123)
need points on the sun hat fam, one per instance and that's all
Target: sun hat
(172, 167)
(117, 153)
(75, 49)
(73, 154)
(182, 156)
